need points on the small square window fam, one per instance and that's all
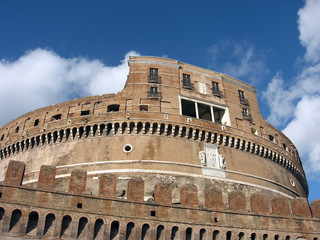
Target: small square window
(79, 205)
(144, 108)
(153, 213)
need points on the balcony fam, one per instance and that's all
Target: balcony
(247, 116)
(154, 95)
(217, 93)
(154, 79)
(187, 85)
(244, 101)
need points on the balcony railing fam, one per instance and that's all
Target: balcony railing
(187, 85)
(154, 95)
(247, 116)
(217, 93)
(154, 79)
(244, 101)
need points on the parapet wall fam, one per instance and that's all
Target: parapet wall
(33, 211)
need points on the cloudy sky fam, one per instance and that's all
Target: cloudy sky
(53, 51)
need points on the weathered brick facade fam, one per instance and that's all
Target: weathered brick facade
(180, 153)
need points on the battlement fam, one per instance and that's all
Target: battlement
(17, 201)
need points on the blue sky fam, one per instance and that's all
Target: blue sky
(52, 51)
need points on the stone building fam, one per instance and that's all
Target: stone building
(180, 153)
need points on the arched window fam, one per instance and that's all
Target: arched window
(114, 230)
(288, 238)
(160, 232)
(32, 222)
(215, 235)
(174, 233)
(82, 227)
(241, 236)
(202, 234)
(276, 237)
(15, 218)
(229, 235)
(66, 226)
(265, 236)
(98, 231)
(253, 236)
(130, 231)
(50, 218)
(188, 233)
(145, 233)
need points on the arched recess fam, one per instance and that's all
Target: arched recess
(188, 233)
(1, 213)
(202, 234)
(49, 224)
(32, 223)
(98, 229)
(174, 233)
(130, 231)
(160, 232)
(66, 226)
(82, 227)
(15, 218)
(215, 235)
(114, 231)
(145, 232)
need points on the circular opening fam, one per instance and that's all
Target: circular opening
(292, 183)
(127, 148)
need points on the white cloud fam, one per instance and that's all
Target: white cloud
(41, 77)
(244, 62)
(309, 27)
(297, 107)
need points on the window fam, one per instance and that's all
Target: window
(154, 93)
(85, 112)
(246, 114)
(284, 146)
(187, 82)
(242, 98)
(216, 90)
(205, 111)
(113, 108)
(154, 76)
(56, 117)
(36, 122)
(2, 137)
(271, 138)
(143, 108)
(17, 129)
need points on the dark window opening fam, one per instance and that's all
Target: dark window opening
(85, 112)
(145, 230)
(186, 82)
(65, 225)
(216, 90)
(242, 98)
(79, 205)
(153, 213)
(188, 108)
(114, 230)
(284, 146)
(113, 108)
(0, 194)
(32, 222)
(15, 218)
(98, 229)
(204, 111)
(154, 93)
(17, 129)
(56, 117)
(218, 114)
(144, 108)
(246, 114)
(2, 137)
(271, 138)
(36, 122)
(160, 232)
(188, 233)
(154, 76)
(83, 222)
(50, 218)
(130, 230)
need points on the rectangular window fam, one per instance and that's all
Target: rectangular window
(56, 117)
(85, 112)
(154, 76)
(205, 111)
(153, 72)
(36, 122)
(113, 108)
(216, 90)
(188, 108)
(144, 108)
(242, 98)
(186, 82)
(246, 114)
(154, 93)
